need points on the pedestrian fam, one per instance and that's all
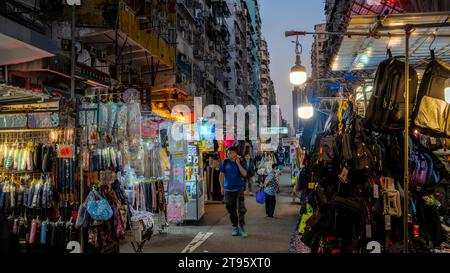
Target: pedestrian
(258, 158)
(250, 174)
(232, 174)
(271, 189)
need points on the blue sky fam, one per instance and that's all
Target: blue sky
(277, 17)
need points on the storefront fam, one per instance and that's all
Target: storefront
(369, 195)
(39, 191)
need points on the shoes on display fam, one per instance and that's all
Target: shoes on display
(235, 231)
(243, 233)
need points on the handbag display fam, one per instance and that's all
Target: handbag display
(391, 199)
(98, 207)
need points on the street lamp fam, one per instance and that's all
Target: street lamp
(306, 111)
(298, 74)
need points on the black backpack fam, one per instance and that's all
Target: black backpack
(432, 113)
(327, 156)
(386, 109)
(368, 157)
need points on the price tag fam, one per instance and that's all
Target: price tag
(368, 231)
(387, 222)
(343, 175)
(376, 192)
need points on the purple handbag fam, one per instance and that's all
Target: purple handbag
(419, 173)
(260, 197)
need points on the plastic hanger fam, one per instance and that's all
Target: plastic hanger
(432, 50)
(388, 46)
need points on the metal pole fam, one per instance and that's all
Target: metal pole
(406, 148)
(72, 72)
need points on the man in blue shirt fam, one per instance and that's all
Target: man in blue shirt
(232, 174)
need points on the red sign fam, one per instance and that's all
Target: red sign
(65, 151)
(37, 90)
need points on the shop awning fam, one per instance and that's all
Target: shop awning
(19, 44)
(365, 53)
(10, 95)
(13, 51)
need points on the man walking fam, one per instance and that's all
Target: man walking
(250, 173)
(232, 174)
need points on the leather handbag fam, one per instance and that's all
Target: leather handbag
(347, 151)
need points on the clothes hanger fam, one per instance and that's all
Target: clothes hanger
(388, 46)
(432, 50)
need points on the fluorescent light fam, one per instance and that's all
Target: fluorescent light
(447, 94)
(306, 111)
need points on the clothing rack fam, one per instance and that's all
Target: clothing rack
(408, 30)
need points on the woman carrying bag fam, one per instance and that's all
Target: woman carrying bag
(271, 189)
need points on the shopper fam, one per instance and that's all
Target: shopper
(250, 173)
(271, 189)
(232, 174)
(258, 158)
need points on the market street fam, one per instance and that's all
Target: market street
(265, 234)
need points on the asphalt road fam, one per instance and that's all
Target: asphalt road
(213, 233)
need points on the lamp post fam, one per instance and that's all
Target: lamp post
(298, 74)
(297, 77)
(73, 4)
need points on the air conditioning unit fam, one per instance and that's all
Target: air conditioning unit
(93, 51)
(102, 55)
(198, 13)
(183, 23)
(163, 15)
(184, 59)
(183, 78)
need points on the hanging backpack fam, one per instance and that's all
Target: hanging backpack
(432, 113)
(368, 157)
(386, 109)
(328, 158)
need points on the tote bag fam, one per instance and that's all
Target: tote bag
(98, 207)
(260, 197)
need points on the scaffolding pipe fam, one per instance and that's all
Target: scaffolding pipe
(408, 30)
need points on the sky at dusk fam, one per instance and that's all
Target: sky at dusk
(279, 16)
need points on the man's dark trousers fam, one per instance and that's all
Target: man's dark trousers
(235, 204)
